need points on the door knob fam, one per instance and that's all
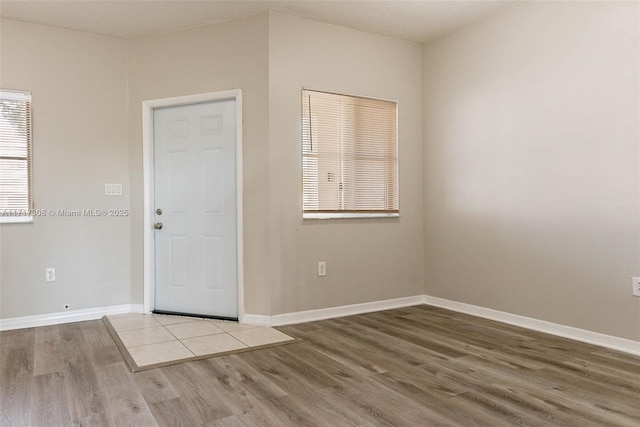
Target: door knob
(157, 226)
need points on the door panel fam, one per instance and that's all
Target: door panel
(213, 246)
(195, 187)
(213, 182)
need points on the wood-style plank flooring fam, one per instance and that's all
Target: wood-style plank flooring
(418, 366)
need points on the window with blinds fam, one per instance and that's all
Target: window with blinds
(15, 155)
(349, 156)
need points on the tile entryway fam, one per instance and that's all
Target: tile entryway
(152, 340)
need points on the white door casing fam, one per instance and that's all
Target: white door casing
(190, 266)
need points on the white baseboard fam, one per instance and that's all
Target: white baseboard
(67, 316)
(331, 312)
(257, 319)
(583, 335)
(596, 338)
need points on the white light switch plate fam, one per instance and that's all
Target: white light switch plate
(322, 269)
(113, 189)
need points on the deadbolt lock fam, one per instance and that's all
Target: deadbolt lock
(158, 211)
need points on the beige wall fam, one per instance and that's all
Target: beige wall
(230, 55)
(281, 251)
(367, 260)
(523, 195)
(79, 87)
(531, 164)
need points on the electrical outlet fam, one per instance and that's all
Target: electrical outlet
(635, 281)
(50, 274)
(322, 269)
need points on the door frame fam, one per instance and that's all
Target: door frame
(148, 183)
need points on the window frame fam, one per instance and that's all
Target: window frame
(26, 96)
(307, 131)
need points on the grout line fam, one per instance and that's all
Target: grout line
(144, 345)
(165, 328)
(188, 349)
(238, 339)
(134, 329)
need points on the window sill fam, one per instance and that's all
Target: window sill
(16, 219)
(319, 215)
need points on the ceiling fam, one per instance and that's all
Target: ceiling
(414, 20)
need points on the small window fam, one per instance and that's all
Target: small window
(15, 156)
(349, 156)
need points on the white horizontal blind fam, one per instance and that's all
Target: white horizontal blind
(349, 154)
(15, 152)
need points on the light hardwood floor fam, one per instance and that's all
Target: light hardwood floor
(419, 366)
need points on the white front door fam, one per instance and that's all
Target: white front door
(195, 209)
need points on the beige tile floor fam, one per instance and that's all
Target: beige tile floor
(152, 339)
